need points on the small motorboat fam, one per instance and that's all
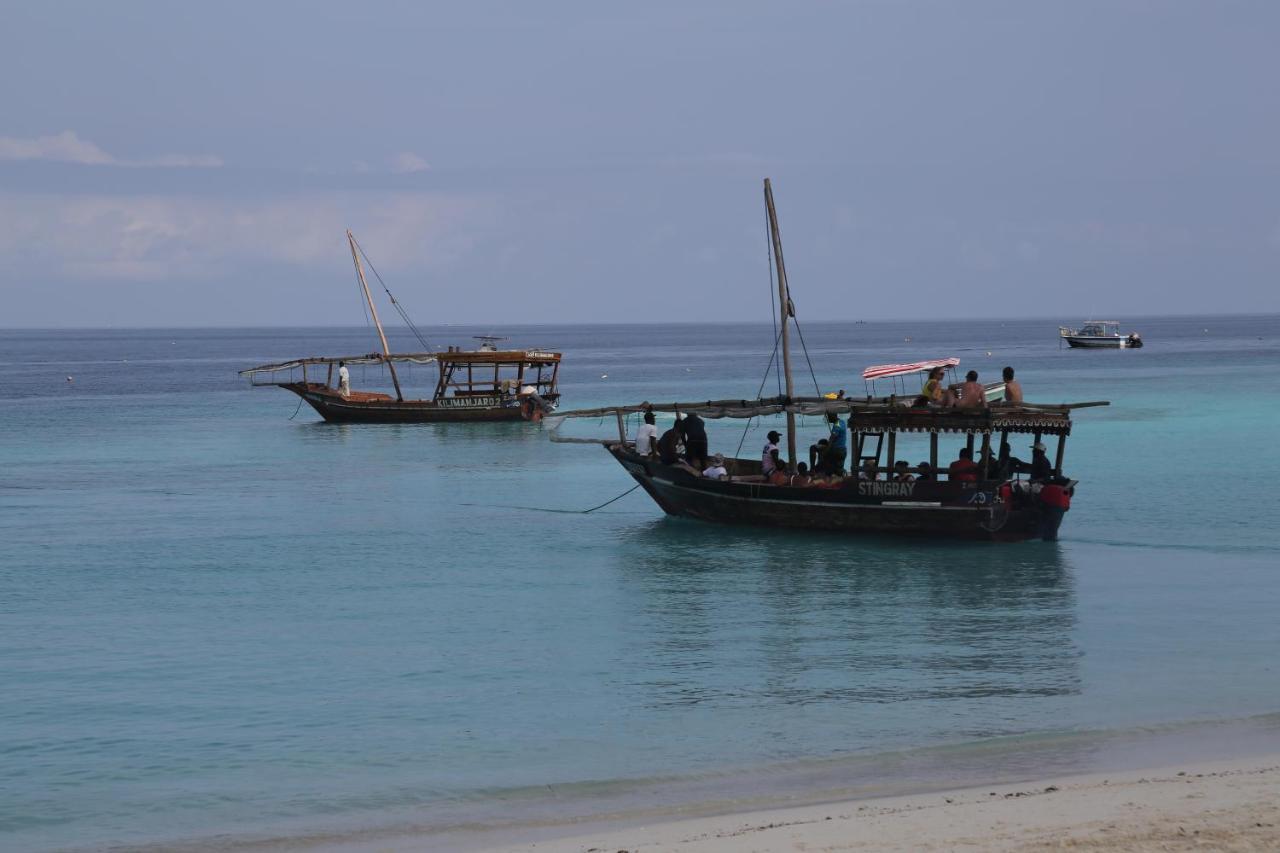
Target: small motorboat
(1100, 334)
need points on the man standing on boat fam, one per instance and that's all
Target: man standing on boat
(769, 461)
(344, 379)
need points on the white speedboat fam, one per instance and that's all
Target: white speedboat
(1100, 334)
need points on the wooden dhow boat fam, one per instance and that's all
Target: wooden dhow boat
(483, 384)
(1000, 507)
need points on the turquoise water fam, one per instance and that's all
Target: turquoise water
(220, 621)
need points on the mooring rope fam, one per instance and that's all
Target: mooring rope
(295, 411)
(561, 511)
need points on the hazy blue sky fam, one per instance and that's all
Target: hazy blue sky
(197, 163)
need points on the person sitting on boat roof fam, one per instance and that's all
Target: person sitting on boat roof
(934, 391)
(1012, 388)
(671, 445)
(868, 470)
(647, 436)
(902, 472)
(972, 394)
(695, 441)
(715, 469)
(964, 469)
(769, 461)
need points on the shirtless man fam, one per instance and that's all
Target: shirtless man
(1012, 388)
(972, 394)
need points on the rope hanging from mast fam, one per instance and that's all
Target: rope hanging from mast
(394, 304)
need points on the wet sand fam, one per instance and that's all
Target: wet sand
(1224, 805)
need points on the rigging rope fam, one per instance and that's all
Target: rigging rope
(394, 304)
(760, 390)
(561, 511)
(817, 390)
(773, 301)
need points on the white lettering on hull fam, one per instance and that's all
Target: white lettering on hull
(885, 489)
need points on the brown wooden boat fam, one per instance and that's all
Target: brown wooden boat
(1002, 507)
(483, 384)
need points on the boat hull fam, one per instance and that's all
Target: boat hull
(946, 510)
(382, 409)
(1101, 343)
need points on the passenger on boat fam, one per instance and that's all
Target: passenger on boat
(1041, 468)
(972, 394)
(671, 444)
(647, 436)
(902, 472)
(779, 477)
(868, 471)
(817, 452)
(1055, 500)
(715, 468)
(769, 461)
(344, 379)
(837, 445)
(934, 391)
(926, 472)
(1005, 465)
(964, 469)
(801, 476)
(1012, 387)
(695, 441)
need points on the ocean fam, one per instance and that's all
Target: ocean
(227, 623)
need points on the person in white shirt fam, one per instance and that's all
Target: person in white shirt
(344, 379)
(716, 470)
(647, 436)
(769, 461)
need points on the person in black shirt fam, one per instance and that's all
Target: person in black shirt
(695, 441)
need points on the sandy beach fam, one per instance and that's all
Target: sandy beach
(1227, 805)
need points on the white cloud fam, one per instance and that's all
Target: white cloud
(183, 237)
(67, 147)
(407, 162)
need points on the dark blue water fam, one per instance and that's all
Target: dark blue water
(220, 620)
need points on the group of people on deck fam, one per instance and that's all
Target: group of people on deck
(684, 445)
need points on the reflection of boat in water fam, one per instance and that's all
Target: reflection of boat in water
(977, 505)
(484, 384)
(1099, 334)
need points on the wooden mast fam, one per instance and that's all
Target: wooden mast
(784, 297)
(386, 350)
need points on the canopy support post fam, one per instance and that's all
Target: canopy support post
(622, 429)
(933, 453)
(1062, 449)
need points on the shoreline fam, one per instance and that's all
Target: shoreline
(859, 802)
(1222, 805)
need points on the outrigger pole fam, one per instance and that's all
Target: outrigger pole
(386, 350)
(784, 297)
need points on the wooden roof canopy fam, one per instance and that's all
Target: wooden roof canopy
(872, 414)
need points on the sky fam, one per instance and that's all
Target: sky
(195, 164)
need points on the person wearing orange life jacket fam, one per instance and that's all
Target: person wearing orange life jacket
(1055, 500)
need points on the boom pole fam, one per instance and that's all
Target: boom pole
(784, 298)
(386, 350)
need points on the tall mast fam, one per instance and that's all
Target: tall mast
(784, 299)
(386, 350)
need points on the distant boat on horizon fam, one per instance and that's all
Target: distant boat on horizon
(1099, 334)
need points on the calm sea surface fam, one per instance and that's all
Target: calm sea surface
(220, 620)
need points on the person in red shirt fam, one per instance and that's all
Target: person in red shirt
(964, 469)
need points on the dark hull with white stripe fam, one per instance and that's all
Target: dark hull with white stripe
(335, 409)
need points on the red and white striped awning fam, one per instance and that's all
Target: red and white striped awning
(883, 371)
